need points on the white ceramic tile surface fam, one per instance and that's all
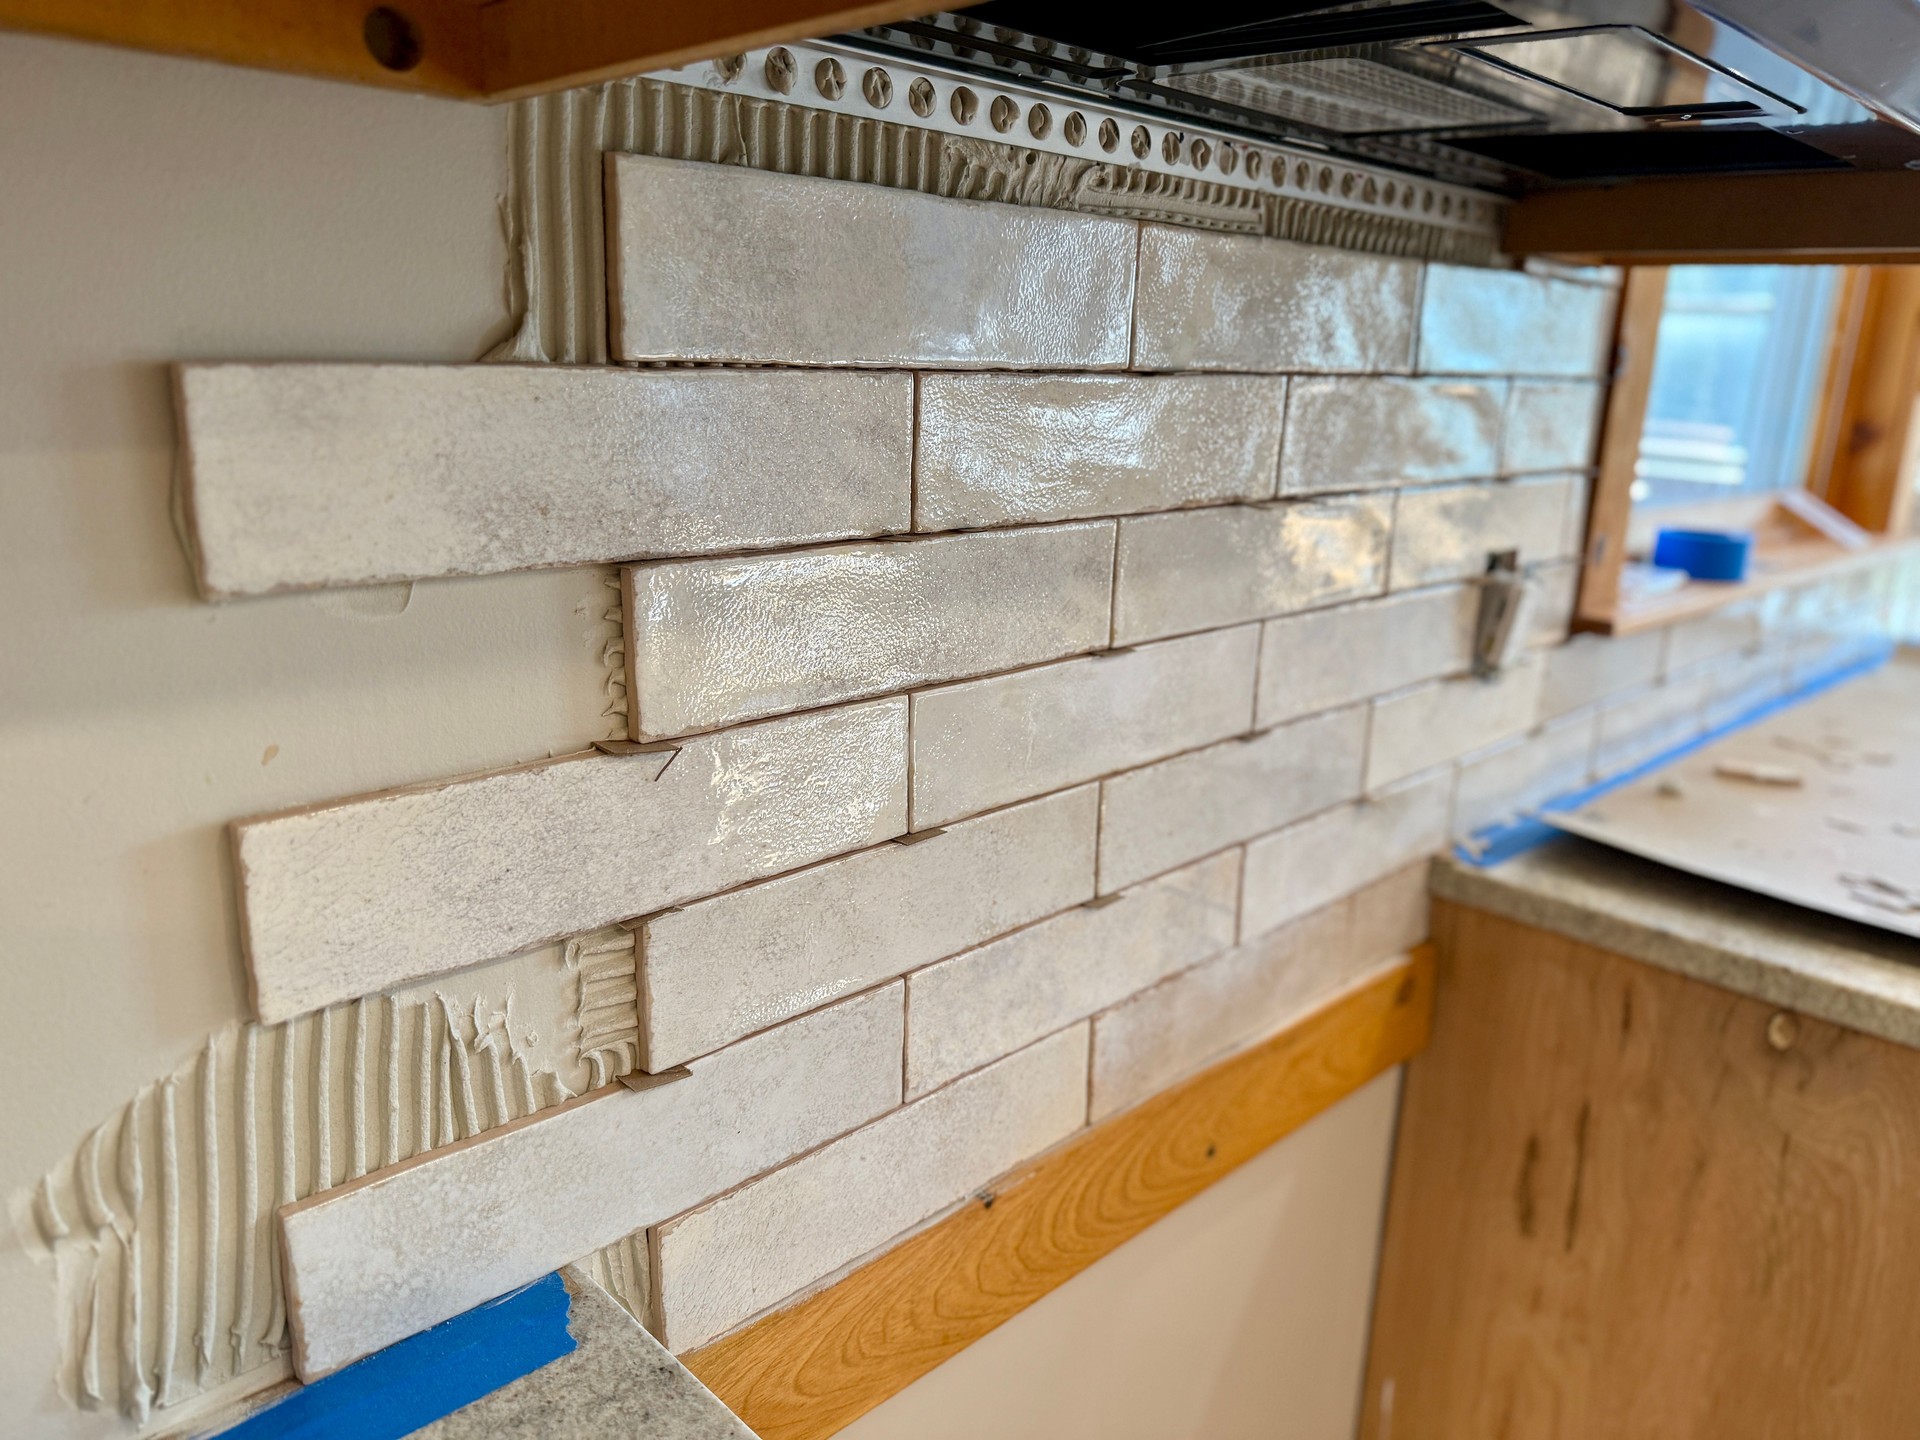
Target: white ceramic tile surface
(1475, 321)
(1000, 449)
(1318, 861)
(983, 743)
(1353, 434)
(727, 1261)
(1429, 725)
(1446, 533)
(1329, 658)
(363, 895)
(714, 642)
(1166, 1033)
(1592, 667)
(1551, 425)
(987, 1002)
(307, 475)
(1237, 302)
(723, 262)
(1716, 635)
(1497, 784)
(1390, 916)
(382, 1258)
(1161, 817)
(1636, 728)
(729, 965)
(1201, 569)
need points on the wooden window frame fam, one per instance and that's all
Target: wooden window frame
(1860, 462)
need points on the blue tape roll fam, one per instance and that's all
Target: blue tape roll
(1704, 554)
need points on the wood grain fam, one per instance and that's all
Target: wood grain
(1870, 479)
(1618, 1210)
(810, 1370)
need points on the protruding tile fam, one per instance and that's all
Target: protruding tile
(990, 1001)
(362, 895)
(1429, 725)
(747, 1251)
(1551, 425)
(723, 262)
(1014, 449)
(1476, 321)
(1363, 433)
(1202, 569)
(727, 966)
(1329, 658)
(984, 743)
(1308, 866)
(298, 476)
(1446, 533)
(388, 1255)
(715, 642)
(1238, 302)
(1161, 817)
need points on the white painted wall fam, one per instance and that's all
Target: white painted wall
(150, 210)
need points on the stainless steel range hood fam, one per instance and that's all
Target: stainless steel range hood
(1514, 96)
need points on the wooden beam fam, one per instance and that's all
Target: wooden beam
(1828, 217)
(1870, 475)
(810, 1370)
(327, 39)
(1636, 337)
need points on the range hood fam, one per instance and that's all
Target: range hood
(1514, 96)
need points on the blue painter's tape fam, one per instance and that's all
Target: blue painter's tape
(1502, 842)
(397, 1390)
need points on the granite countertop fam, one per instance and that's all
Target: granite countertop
(1837, 970)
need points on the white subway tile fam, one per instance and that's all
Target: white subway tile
(1164, 1034)
(983, 743)
(1163, 816)
(1390, 916)
(307, 475)
(1715, 635)
(1475, 321)
(388, 1255)
(345, 899)
(722, 262)
(727, 966)
(745, 1252)
(988, 1002)
(1501, 782)
(714, 642)
(1551, 425)
(997, 449)
(1432, 724)
(1556, 594)
(1353, 434)
(1592, 667)
(1636, 728)
(1308, 866)
(1328, 658)
(1237, 302)
(1447, 533)
(1742, 682)
(1201, 569)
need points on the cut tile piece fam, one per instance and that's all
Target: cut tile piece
(1155, 819)
(1475, 321)
(722, 262)
(987, 742)
(1014, 449)
(1550, 426)
(727, 1261)
(1447, 533)
(1390, 916)
(990, 1001)
(1355, 434)
(1202, 569)
(1329, 658)
(714, 642)
(1310, 865)
(1498, 784)
(1592, 667)
(1236, 302)
(1432, 724)
(298, 476)
(363, 895)
(388, 1255)
(1637, 728)
(727, 966)
(1168, 1032)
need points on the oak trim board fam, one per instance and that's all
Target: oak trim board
(808, 1371)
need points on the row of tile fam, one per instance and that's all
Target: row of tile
(716, 642)
(299, 476)
(717, 263)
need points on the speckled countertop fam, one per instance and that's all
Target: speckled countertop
(1837, 970)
